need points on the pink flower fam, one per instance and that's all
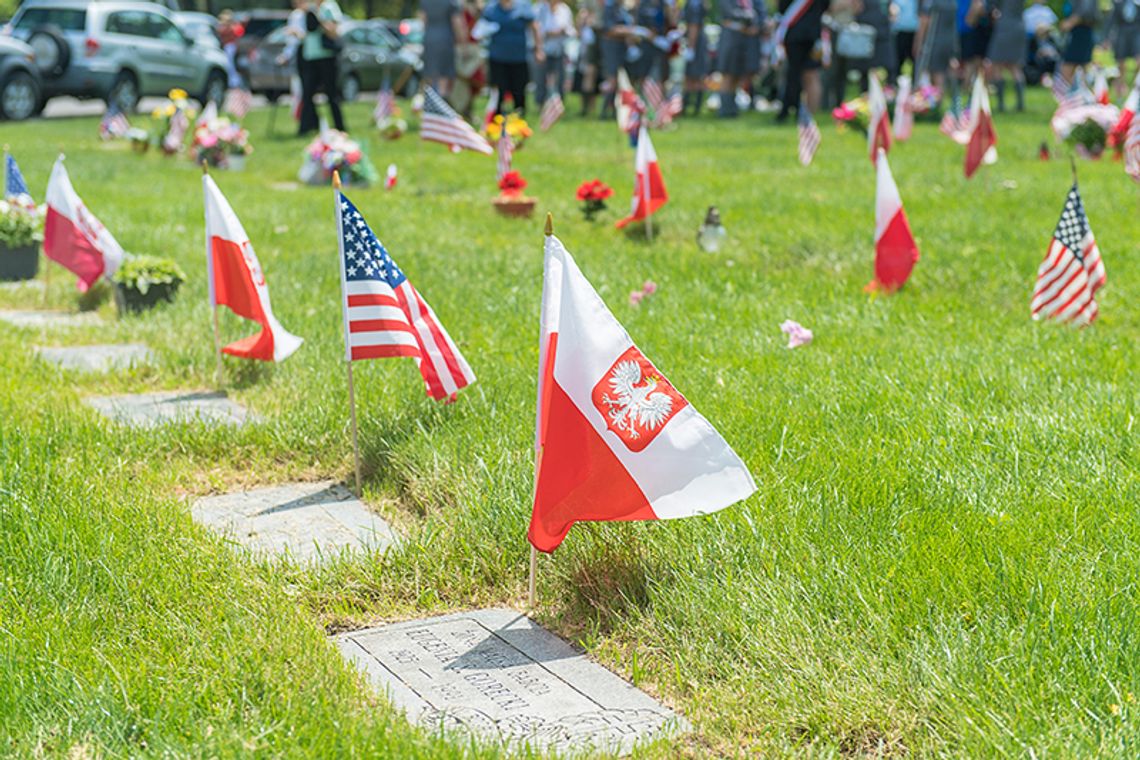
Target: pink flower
(798, 335)
(649, 288)
(635, 297)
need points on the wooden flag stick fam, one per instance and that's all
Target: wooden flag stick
(530, 588)
(348, 359)
(645, 195)
(217, 333)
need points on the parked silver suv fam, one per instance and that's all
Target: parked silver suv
(117, 51)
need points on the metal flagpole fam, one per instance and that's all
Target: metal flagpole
(348, 355)
(549, 231)
(213, 301)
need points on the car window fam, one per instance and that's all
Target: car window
(357, 37)
(259, 27)
(128, 22)
(67, 19)
(162, 28)
(377, 39)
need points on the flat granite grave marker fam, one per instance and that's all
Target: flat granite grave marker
(20, 318)
(155, 409)
(96, 358)
(499, 676)
(303, 520)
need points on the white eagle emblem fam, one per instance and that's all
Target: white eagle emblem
(635, 405)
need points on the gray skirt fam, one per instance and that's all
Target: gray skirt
(439, 53)
(1008, 43)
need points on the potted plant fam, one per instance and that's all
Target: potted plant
(510, 200)
(21, 231)
(593, 194)
(142, 282)
(222, 144)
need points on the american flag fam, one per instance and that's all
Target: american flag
(1072, 271)
(179, 123)
(385, 316)
(1061, 86)
(552, 111)
(113, 125)
(955, 125)
(238, 102)
(14, 184)
(809, 136)
(440, 123)
(1132, 149)
(384, 103)
(664, 109)
(505, 152)
(492, 108)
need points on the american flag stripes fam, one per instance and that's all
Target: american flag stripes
(113, 125)
(384, 315)
(552, 111)
(384, 105)
(238, 102)
(956, 125)
(1132, 149)
(1061, 86)
(809, 135)
(664, 109)
(506, 149)
(440, 123)
(1072, 271)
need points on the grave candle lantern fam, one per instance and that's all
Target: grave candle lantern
(711, 234)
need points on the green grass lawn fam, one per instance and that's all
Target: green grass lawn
(942, 558)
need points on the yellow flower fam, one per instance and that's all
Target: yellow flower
(1114, 709)
(169, 110)
(177, 94)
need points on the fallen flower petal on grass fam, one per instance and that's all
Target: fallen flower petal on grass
(798, 335)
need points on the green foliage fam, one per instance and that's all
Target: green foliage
(142, 272)
(20, 227)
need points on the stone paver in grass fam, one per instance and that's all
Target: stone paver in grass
(33, 286)
(96, 358)
(306, 521)
(154, 409)
(499, 676)
(22, 318)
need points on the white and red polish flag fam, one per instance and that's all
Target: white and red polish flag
(982, 147)
(895, 249)
(384, 315)
(904, 115)
(492, 108)
(1100, 88)
(235, 280)
(879, 127)
(73, 237)
(614, 439)
(649, 192)
(629, 109)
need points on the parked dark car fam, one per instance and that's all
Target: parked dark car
(369, 57)
(21, 93)
(256, 26)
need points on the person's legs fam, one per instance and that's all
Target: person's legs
(327, 72)
(797, 53)
(812, 90)
(1018, 76)
(308, 121)
(519, 75)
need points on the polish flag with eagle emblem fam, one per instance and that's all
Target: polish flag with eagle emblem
(235, 280)
(615, 440)
(879, 128)
(73, 237)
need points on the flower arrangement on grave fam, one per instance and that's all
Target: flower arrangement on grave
(511, 201)
(335, 151)
(172, 121)
(926, 103)
(1086, 128)
(854, 114)
(21, 232)
(517, 130)
(593, 194)
(142, 282)
(221, 143)
(391, 126)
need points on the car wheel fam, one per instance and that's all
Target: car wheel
(19, 96)
(124, 92)
(350, 90)
(215, 89)
(53, 54)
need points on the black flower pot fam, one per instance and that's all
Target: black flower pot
(19, 263)
(131, 301)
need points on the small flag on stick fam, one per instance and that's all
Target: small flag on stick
(238, 102)
(552, 111)
(982, 147)
(649, 192)
(895, 250)
(440, 123)
(384, 315)
(506, 149)
(879, 128)
(73, 237)
(1072, 272)
(114, 124)
(14, 184)
(809, 135)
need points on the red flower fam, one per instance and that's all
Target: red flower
(594, 190)
(512, 183)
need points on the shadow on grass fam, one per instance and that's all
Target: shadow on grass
(608, 581)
